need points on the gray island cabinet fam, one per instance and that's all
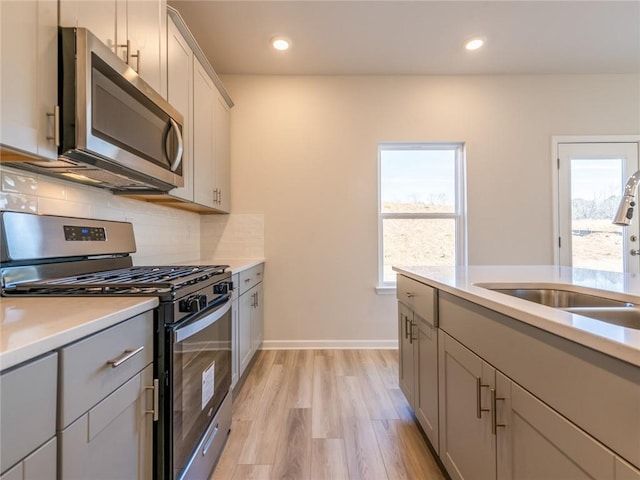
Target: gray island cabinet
(515, 401)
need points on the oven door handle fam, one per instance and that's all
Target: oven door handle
(192, 328)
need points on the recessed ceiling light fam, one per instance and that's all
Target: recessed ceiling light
(281, 43)
(474, 43)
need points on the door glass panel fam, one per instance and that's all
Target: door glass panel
(596, 185)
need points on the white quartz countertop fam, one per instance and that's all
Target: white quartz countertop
(236, 265)
(30, 327)
(616, 341)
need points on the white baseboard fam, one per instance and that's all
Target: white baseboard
(329, 344)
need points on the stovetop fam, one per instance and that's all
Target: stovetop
(140, 280)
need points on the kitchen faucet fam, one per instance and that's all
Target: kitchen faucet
(625, 209)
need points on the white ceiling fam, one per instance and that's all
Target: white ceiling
(417, 37)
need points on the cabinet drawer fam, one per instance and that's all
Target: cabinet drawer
(27, 408)
(251, 277)
(88, 371)
(420, 298)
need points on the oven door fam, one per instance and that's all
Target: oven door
(201, 378)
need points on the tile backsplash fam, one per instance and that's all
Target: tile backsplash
(163, 235)
(235, 236)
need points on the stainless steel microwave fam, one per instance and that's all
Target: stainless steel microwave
(114, 130)
(112, 119)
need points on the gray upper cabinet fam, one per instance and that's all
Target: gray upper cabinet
(29, 45)
(180, 95)
(133, 29)
(28, 412)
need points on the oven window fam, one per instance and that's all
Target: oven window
(201, 379)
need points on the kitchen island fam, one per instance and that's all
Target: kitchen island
(509, 388)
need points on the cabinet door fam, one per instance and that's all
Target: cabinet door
(222, 154)
(235, 356)
(180, 95)
(624, 471)
(145, 27)
(257, 314)
(27, 408)
(203, 149)
(406, 374)
(467, 445)
(115, 438)
(99, 16)
(539, 443)
(40, 465)
(29, 46)
(426, 383)
(244, 330)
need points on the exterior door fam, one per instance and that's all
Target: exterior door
(591, 178)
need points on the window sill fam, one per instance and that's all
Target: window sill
(386, 289)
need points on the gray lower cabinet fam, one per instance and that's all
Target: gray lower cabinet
(418, 353)
(235, 332)
(535, 442)
(245, 309)
(250, 331)
(510, 395)
(28, 412)
(426, 384)
(114, 439)
(108, 404)
(467, 447)
(406, 376)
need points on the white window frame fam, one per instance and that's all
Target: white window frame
(459, 214)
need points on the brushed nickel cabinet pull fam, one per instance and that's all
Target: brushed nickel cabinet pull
(479, 409)
(494, 414)
(56, 125)
(156, 397)
(128, 354)
(409, 294)
(406, 327)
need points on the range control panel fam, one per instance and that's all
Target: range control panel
(73, 233)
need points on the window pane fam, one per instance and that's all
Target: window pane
(412, 242)
(417, 181)
(595, 191)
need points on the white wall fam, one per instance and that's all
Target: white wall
(163, 235)
(304, 154)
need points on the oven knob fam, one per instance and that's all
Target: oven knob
(202, 302)
(222, 288)
(190, 305)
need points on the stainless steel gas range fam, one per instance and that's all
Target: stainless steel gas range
(45, 255)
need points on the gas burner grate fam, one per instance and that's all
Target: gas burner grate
(143, 280)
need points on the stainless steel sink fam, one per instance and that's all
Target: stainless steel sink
(557, 298)
(611, 310)
(624, 316)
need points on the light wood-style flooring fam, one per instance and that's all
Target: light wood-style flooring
(321, 415)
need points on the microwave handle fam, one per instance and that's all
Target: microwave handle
(178, 156)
